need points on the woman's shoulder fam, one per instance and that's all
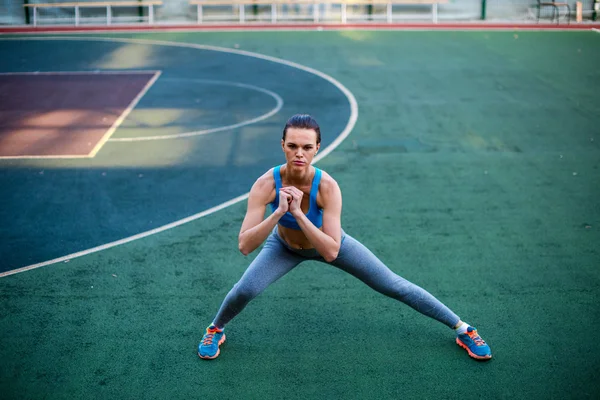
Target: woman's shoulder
(327, 184)
(264, 187)
(266, 180)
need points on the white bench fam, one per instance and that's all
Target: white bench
(96, 4)
(241, 4)
(389, 4)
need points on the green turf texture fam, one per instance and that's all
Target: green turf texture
(459, 175)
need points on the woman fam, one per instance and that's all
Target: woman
(304, 225)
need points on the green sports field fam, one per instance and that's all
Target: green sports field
(472, 170)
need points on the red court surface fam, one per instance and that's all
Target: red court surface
(470, 25)
(65, 114)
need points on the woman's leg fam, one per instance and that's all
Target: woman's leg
(273, 261)
(357, 260)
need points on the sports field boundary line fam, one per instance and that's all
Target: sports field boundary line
(94, 72)
(55, 157)
(124, 114)
(127, 239)
(501, 26)
(278, 106)
(596, 30)
(326, 151)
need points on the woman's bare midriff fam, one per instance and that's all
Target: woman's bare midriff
(294, 237)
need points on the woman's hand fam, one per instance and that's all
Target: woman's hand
(295, 198)
(284, 201)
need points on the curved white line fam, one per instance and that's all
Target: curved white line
(343, 135)
(123, 115)
(272, 112)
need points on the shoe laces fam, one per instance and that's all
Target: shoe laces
(476, 338)
(209, 336)
(208, 339)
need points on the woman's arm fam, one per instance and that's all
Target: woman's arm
(255, 227)
(327, 241)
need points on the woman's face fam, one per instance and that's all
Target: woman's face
(300, 146)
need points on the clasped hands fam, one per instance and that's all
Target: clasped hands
(290, 199)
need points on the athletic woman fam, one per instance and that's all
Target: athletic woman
(305, 224)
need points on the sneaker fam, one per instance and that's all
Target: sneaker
(474, 344)
(212, 339)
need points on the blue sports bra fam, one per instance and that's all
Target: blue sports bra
(315, 214)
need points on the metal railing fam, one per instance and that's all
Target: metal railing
(175, 12)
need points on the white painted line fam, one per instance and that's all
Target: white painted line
(596, 30)
(66, 156)
(351, 121)
(124, 115)
(343, 135)
(98, 72)
(278, 106)
(128, 239)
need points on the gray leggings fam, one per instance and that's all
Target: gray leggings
(277, 258)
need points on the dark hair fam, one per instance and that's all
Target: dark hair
(303, 121)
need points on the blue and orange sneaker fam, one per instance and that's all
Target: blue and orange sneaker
(474, 344)
(212, 339)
